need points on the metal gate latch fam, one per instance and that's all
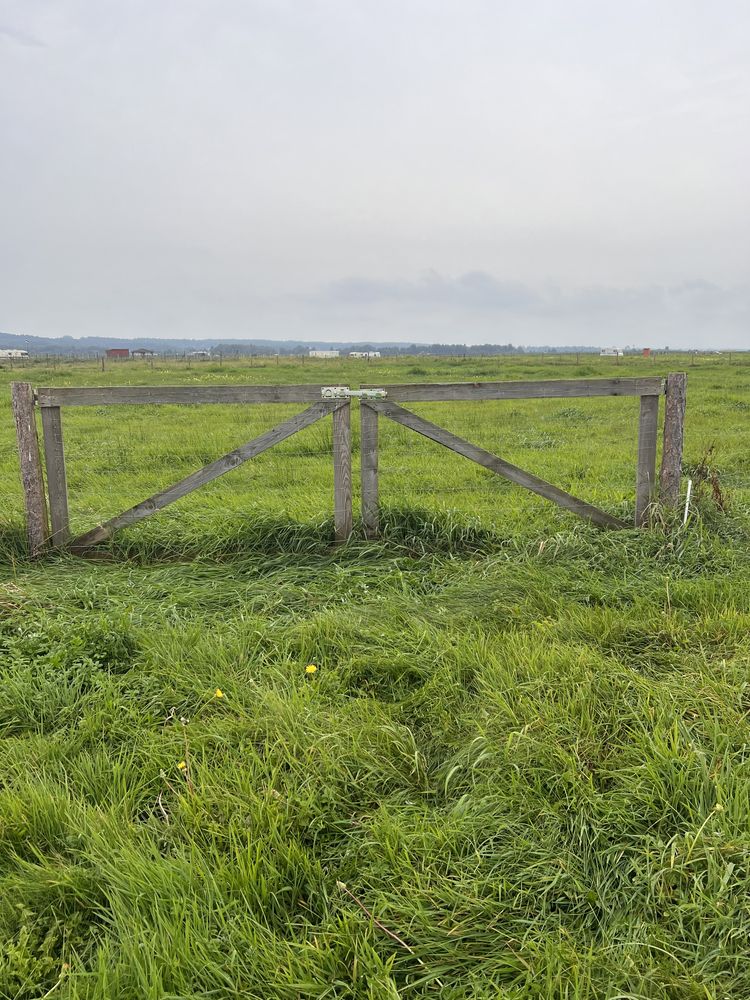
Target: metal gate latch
(343, 392)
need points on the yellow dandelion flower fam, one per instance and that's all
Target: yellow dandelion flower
(310, 668)
(218, 693)
(182, 765)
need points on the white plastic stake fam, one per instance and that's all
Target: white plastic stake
(687, 501)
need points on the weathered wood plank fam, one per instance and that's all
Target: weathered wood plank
(368, 465)
(342, 471)
(497, 465)
(32, 480)
(57, 483)
(205, 475)
(180, 394)
(646, 475)
(674, 429)
(544, 389)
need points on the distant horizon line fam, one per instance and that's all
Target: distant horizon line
(101, 342)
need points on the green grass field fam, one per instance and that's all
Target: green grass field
(525, 750)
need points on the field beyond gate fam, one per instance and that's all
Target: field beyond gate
(335, 401)
(518, 768)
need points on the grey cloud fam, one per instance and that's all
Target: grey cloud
(481, 291)
(20, 37)
(475, 289)
(690, 313)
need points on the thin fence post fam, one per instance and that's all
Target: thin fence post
(368, 451)
(674, 430)
(342, 472)
(35, 505)
(646, 474)
(57, 484)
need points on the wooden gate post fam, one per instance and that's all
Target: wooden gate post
(368, 450)
(342, 471)
(645, 486)
(674, 424)
(57, 483)
(35, 505)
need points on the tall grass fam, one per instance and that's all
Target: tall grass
(523, 752)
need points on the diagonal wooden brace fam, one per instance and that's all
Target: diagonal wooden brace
(495, 464)
(209, 472)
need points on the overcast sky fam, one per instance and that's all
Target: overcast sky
(531, 171)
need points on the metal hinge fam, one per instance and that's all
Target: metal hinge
(343, 392)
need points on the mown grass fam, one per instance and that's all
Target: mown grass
(524, 749)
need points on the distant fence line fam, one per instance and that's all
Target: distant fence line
(47, 516)
(52, 359)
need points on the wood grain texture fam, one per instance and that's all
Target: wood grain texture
(57, 483)
(342, 471)
(368, 468)
(32, 480)
(672, 442)
(180, 394)
(497, 465)
(205, 475)
(545, 389)
(645, 485)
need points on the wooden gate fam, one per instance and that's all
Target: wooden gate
(51, 401)
(336, 401)
(648, 389)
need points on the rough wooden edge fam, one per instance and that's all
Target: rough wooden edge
(342, 472)
(645, 485)
(57, 483)
(674, 430)
(541, 389)
(498, 465)
(368, 467)
(32, 480)
(205, 475)
(176, 394)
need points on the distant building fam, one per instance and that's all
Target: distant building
(117, 352)
(364, 354)
(142, 352)
(322, 354)
(610, 352)
(199, 355)
(13, 354)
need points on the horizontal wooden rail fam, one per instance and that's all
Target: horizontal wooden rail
(434, 392)
(181, 394)
(426, 392)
